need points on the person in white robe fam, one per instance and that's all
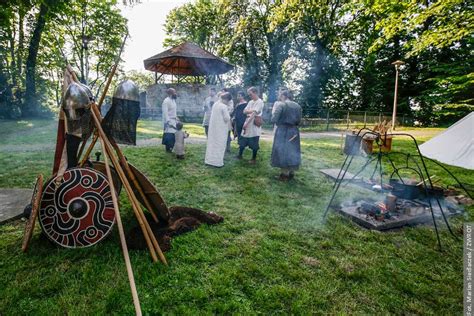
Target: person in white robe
(170, 119)
(230, 108)
(218, 131)
(207, 108)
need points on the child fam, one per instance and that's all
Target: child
(180, 135)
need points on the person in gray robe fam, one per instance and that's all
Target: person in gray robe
(286, 150)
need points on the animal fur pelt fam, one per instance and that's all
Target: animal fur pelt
(182, 220)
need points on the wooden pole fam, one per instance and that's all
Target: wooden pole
(107, 85)
(394, 114)
(327, 120)
(138, 210)
(150, 238)
(132, 177)
(88, 151)
(125, 165)
(99, 104)
(397, 65)
(131, 279)
(72, 73)
(101, 100)
(124, 182)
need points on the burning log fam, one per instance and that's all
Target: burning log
(376, 210)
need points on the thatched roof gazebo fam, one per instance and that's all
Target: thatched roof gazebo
(187, 60)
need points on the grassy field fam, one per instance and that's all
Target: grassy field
(271, 255)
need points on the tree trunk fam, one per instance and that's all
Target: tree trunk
(274, 71)
(12, 34)
(21, 41)
(254, 66)
(31, 106)
(318, 69)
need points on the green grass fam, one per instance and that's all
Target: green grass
(271, 255)
(153, 129)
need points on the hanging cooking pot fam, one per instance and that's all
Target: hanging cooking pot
(352, 145)
(406, 189)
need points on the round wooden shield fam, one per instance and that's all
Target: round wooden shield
(154, 197)
(35, 202)
(100, 166)
(77, 210)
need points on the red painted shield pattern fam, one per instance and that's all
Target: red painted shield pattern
(78, 210)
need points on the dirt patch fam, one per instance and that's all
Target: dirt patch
(13, 202)
(310, 261)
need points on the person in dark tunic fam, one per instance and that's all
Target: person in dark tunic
(238, 116)
(286, 150)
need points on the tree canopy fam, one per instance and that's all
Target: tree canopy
(37, 40)
(337, 54)
(334, 54)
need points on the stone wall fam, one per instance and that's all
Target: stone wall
(190, 99)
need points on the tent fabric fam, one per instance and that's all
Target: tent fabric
(187, 59)
(455, 146)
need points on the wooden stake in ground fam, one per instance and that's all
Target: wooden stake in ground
(35, 204)
(150, 238)
(124, 163)
(101, 100)
(123, 243)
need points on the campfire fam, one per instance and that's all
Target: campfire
(391, 208)
(394, 209)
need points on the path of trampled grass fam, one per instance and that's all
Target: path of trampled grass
(271, 254)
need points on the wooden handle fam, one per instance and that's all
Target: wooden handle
(125, 183)
(131, 279)
(152, 243)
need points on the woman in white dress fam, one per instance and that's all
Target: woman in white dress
(218, 131)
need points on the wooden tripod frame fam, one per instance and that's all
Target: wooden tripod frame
(108, 149)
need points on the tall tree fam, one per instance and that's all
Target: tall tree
(316, 27)
(197, 22)
(47, 10)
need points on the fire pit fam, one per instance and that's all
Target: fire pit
(411, 201)
(376, 214)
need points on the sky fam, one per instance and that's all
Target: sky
(146, 28)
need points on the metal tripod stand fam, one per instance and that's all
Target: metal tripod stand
(411, 164)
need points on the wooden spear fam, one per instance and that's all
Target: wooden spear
(150, 238)
(125, 184)
(99, 104)
(125, 165)
(131, 279)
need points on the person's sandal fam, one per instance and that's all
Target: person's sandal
(253, 162)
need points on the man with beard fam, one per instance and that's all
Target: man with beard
(169, 119)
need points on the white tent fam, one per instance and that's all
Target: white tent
(454, 146)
